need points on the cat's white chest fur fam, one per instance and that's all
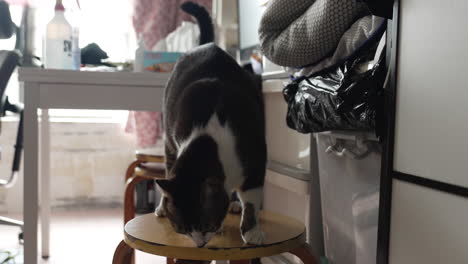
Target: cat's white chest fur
(228, 156)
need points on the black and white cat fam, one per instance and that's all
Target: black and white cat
(214, 141)
(214, 145)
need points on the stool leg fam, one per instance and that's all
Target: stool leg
(129, 200)
(305, 254)
(123, 254)
(129, 208)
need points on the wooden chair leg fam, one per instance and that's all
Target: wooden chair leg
(129, 205)
(129, 198)
(129, 201)
(131, 169)
(129, 208)
(123, 254)
(170, 261)
(305, 254)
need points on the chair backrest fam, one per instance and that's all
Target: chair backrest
(8, 59)
(7, 27)
(8, 62)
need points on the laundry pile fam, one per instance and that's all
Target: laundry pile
(334, 51)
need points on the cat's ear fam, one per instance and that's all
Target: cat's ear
(166, 186)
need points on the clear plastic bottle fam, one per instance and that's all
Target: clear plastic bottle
(74, 17)
(58, 41)
(139, 54)
(76, 51)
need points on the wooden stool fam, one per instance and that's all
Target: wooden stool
(145, 167)
(155, 235)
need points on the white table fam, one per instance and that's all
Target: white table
(45, 89)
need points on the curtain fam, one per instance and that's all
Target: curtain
(155, 19)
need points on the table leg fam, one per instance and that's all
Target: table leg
(44, 164)
(30, 191)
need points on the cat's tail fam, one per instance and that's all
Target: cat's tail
(204, 21)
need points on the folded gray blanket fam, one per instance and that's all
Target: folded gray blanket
(296, 33)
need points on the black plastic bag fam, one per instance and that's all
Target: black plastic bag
(340, 99)
(382, 8)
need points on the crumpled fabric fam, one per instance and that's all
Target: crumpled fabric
(155, 19)
(345, 98)
(184, 38)
(296, 33)
(365, 30)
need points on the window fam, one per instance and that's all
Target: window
(107, 23)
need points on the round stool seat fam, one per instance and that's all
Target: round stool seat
(155, 235)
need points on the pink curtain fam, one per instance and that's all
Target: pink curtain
(155, 19)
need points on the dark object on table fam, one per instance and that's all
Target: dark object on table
(344, 98)
(93, 54)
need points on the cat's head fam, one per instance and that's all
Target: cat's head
(196, 201)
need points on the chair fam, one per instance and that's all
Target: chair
(154, 235)
(145, 167)
(8, 62)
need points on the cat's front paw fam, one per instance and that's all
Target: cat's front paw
(254, 236)
(160, 211)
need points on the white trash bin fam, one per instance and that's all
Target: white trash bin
(349, 172)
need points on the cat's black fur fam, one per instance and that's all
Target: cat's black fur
(195, 189)
(203, 19)
(207, 82)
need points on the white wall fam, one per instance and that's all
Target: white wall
(88, 163)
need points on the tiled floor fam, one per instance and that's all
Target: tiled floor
(80, 236)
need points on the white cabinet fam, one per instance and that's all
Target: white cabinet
(429, 204)
(432, 91)
(427, 226)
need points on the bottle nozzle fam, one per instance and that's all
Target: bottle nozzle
(59, 6)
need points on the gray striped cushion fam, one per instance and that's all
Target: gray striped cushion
(300, 32)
